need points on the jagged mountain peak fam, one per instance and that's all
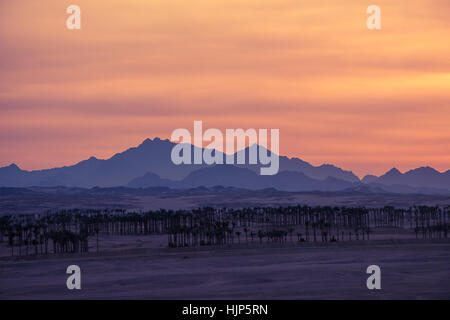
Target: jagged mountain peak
(423, 170)
(427, 177)
(393, 171)
(154, 141)
(13, 166)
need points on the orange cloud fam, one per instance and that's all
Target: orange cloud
(363, 100)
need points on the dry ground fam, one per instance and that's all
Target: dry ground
(48, 199)
(410, 270)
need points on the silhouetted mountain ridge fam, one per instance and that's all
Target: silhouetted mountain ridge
(149, 156)
(149, 165)
(233, 176)
(423, 177)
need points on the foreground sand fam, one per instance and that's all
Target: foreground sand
(410, 270)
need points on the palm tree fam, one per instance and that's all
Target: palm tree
(260, 236)
(291, 230)
(97, 230)
(11, 236)
(314, 225)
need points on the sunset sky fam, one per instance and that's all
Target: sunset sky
(339, 93)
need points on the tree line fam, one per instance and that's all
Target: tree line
(69, 231)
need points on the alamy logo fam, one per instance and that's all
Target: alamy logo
(374, 20)
(212, 153)
(73, 22)
(374, 280)
(74, 280)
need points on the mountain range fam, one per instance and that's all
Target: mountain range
(150, 165)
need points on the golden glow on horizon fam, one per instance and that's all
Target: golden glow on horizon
(363, 100)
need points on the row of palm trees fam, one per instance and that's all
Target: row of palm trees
(63, 241)
(222, 233)
(52, 233)
(313, 224)
(69, 230)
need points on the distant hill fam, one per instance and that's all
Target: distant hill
(149, 165)
(297, 165)
(150, 156)
(232, 176)
(242, 178)
(423, 177)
